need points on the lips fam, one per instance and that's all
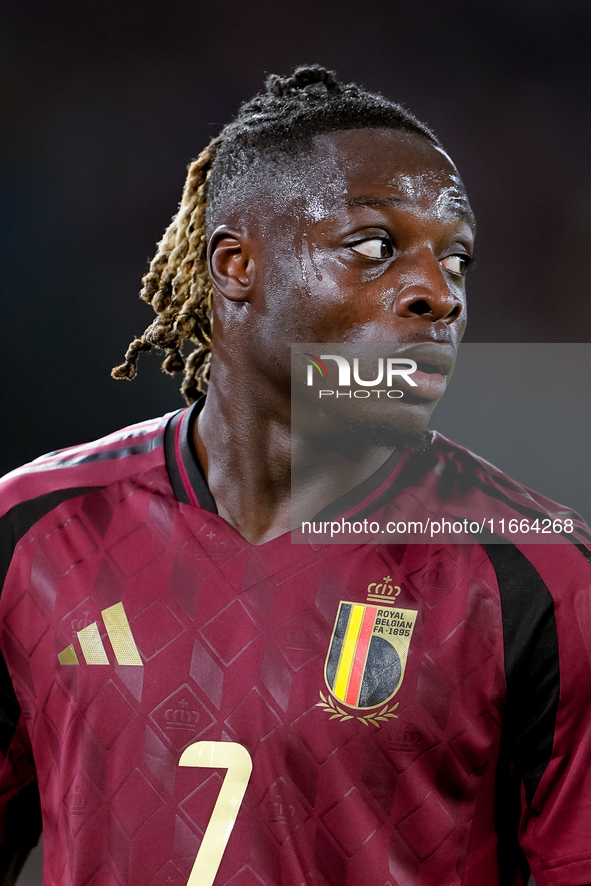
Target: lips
(435, 362)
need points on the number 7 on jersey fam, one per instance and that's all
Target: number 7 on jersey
(236, 759)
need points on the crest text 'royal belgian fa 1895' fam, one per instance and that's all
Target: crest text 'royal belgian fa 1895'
(366, 659)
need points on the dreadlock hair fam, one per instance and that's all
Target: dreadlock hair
(278, 124)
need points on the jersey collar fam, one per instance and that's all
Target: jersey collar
(190, 486)
(186, 476)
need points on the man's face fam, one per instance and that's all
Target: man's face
(371, 245)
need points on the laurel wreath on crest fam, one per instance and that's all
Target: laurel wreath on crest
(337, 713)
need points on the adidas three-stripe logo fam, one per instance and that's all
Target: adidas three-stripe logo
(119, 633)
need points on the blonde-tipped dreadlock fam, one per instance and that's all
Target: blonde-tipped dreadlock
(281, 120)
(179, 289)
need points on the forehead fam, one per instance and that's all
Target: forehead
(381, 166)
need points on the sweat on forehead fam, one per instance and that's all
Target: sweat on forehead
(336, 169)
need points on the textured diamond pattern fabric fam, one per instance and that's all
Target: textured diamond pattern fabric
(247, 667)
(233, 642)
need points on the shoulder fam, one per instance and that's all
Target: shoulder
(541, 570)
(129, 451)
(518, 527)
(463, 475)
(476, 471)
(134, 456)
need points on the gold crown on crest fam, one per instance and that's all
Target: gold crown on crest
(383, 591)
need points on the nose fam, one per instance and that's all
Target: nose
(427, 293)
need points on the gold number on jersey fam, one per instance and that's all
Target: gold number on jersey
(236, 759)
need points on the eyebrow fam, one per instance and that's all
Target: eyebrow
(462, 211)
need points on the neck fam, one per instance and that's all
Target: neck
(263, 481)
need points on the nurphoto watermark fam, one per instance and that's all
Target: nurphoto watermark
(369, 464)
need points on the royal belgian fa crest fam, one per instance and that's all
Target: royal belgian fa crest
(366, 659)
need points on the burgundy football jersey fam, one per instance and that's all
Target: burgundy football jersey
(196, 709)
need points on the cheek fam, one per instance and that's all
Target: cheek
(336, 296)
(312, 297)
(304, 295)
(364, 293)
(463, 321)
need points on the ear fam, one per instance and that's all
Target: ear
(231, 263)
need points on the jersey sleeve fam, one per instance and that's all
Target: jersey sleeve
(546, 600)
(20, 810)
(27, 495)
(20, 814)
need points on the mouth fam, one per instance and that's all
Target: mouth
(435, 363)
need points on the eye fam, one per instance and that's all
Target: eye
(456, 264)
(376, 247)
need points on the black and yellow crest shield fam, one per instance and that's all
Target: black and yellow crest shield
(366, 659)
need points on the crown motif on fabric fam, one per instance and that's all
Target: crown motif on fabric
(80, 802)
(78, 624)
(279, 811)
(181, 717)
(406, 740)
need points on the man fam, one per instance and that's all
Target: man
(202, 701)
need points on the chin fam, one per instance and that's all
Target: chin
(399, 430)
(385, 424)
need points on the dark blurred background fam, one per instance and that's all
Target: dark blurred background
(103, 104)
